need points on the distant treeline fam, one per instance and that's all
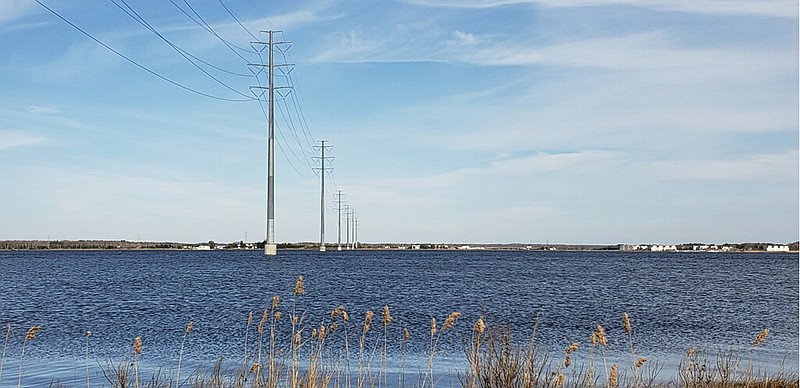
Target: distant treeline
(87, 244)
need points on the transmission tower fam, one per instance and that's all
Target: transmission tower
(355, 232)
(339, 203)
(347, 225)
(270, 249)
(322, 171)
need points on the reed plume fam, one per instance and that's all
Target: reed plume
(601, 338)
(560, 379)
(299, 286)
(368, 320)
(573, 348)
(480, 326)
(762, 335)
(450, 322)
(613, 378)
(626, 323)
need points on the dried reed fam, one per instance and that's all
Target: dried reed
(363, 365)
(180, 353)
(88, 335)
(137, 354)
(387, 319)
(5, 347)
(30, 336)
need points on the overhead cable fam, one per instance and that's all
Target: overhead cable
(137, 64)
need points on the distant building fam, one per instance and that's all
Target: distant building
(777, 248)
(663, 248)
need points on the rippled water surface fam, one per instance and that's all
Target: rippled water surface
(675, 300)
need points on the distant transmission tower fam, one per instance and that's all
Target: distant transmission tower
(355, 233)
(347, 225)
(322, 171)
(339, 203)
(270, 249)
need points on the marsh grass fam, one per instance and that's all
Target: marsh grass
(299, 355)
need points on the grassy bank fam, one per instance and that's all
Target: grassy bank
(282, 350)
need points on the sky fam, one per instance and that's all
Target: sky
(450, 121)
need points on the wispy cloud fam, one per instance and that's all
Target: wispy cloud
(43, 109)
(351, 46)
(768, 8)
(13, 9)
(515, 167)
(11, 139)
(776, 167)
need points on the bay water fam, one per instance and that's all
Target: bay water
(676, 301)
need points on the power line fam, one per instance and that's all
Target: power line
(203, 24)
(138, 18)
(237, 19)
(137, 64)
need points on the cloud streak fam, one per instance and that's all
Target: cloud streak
(13, 139)
(769, 8)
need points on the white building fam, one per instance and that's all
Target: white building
(777, 248)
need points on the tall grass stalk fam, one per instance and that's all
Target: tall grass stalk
(180, 354)
(403, 346)
(436, 333)
(260, 330)
(299, 290)
(387, 319)
(274, 376)
(137, 354)
(340, 313)
(246, 332)
(5, 347)
(363, 366)
(88, 336)
(30, 336)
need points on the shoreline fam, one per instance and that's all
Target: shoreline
(125, 245)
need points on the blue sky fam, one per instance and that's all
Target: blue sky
(456, 121)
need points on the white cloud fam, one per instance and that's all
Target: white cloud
(11, 139)
(461, 38)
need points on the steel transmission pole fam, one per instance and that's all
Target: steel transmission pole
(347, 225)
(270, 248)
(339, 203)
(322, 171)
